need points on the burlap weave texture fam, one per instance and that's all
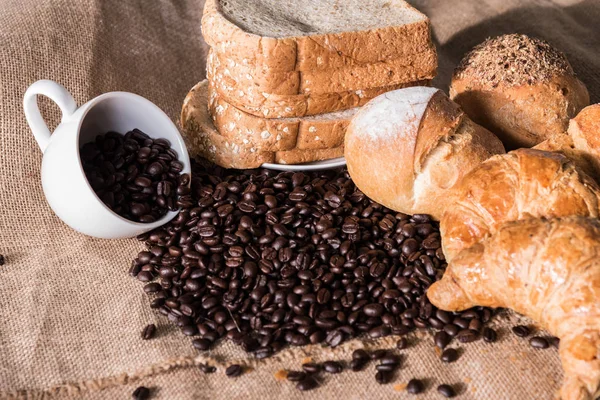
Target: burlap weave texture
(70, 316)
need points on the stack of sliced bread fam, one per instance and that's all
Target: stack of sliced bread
(285, 78)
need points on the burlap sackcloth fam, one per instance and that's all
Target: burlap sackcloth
(70, 316)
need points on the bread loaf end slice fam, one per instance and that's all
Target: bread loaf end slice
(202, 138)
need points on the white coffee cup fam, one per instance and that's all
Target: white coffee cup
(66, 188)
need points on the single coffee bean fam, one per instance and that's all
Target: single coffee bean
(554, 341)
(308, 383)
(386, 367)
(378, 354)
(207, 369)
(360, 354)
(521, 330)
(201, 344)
(296, 376)
(451, 329)
(442, 339)
(311, 368)
(357, 364)
(539, 342)
(2, 260)
(467, 336)
(333, 367)
(141, 393)
(234, 370)
(415, 386)
(383, 377)
(449, 355)
(148, 332)
(489, 335)
(402, 343)
(446, 391)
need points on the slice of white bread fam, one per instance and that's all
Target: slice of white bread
(421, 66)
(305, 156)
(202, 138)
(313, 35)
(267, 105)
(322, 131)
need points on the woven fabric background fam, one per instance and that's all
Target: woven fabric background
(70, 315)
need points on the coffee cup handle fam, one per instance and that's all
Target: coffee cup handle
(57, 93)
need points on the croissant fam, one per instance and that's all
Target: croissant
(521, 184)
(548, 270)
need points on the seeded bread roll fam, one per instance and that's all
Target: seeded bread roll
(407, 148)
(312, 35)
(581, 144)
(420, 66)
(322, 131)
(520, 88)
(202, 138)
(266, 105)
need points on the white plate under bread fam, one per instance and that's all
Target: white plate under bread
(312, 166)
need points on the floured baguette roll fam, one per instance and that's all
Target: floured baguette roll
(520, 88)
(405, 149)
(581, 144)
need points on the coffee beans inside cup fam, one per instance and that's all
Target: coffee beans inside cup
(136, 176)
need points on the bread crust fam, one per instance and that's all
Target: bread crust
(202, 138)
(267, 105)
(522, 116)
(277, 134)
(524, 183)
(421, 66)
(305, 156)
(419, 144)
(314, 52)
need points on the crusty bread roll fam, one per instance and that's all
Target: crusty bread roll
(548, 270)
(520, 88)
(524, 183)
(581, 144)
(405, 149)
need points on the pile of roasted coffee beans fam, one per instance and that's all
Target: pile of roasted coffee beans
(136, 176)
(268, 259)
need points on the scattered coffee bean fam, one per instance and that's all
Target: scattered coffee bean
(383, 377)
(489, 335)
(234, 370)
(402, 343)
(296, 376)
(446, 391)
(360, 354)
(415, 386)
(207, 369)
(333, 367)
(2, 260)
(449, 355)
(357, 364)
(135, 176)
(467, 336)
(201, 344)
(442, 339)
(270, 259)
(521, 331)
(554, 341)
(308, 383)
(539, 342)
(148, 332)
(378, 354)
(311, 368)
(141, 393)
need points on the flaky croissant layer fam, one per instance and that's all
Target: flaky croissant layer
(548, 270)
